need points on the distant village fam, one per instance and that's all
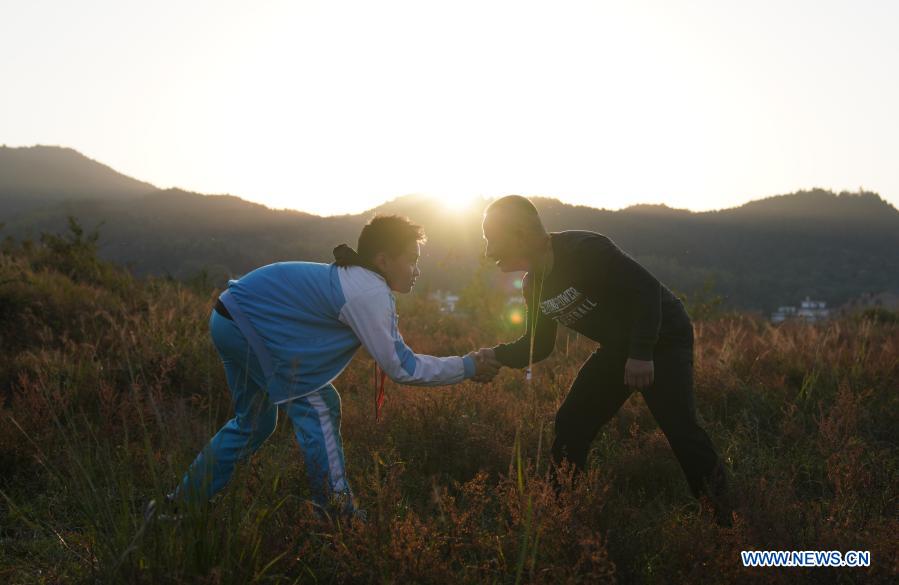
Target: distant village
(813, 311)
(808, 310)
(448, 301)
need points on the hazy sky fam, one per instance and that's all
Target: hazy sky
(334, 106)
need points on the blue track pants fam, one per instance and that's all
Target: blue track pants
(315, 418)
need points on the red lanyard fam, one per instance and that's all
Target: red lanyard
(379, 379)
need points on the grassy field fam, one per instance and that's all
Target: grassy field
(110, 385)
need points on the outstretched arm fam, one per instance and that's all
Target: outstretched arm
(373, 319)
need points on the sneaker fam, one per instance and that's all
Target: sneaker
(168, 510)
(332, 514)
(722, 512)
(718, 497)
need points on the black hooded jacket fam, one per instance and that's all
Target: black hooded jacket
(602, 293)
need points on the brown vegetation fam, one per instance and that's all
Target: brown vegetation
(110, 385)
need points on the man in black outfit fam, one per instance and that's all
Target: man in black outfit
(582, 280)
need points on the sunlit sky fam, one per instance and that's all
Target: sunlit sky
(335, 107)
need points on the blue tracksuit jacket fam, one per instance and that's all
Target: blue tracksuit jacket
(305, 320)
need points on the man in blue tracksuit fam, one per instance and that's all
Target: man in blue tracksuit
(284, 333)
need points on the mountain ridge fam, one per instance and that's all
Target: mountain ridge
(765, 253)
(55, 161)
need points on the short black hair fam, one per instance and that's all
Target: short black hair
(390, 234)
(517, 211)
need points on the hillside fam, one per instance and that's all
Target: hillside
(766, 253)
(31, 177)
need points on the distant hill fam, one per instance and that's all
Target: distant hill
(766, 253)
(817, 204)
(30, 177)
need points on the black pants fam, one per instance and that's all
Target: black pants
(598, 393)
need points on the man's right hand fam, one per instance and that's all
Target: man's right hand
(486, 364)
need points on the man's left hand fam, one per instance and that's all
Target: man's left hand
(638, 373)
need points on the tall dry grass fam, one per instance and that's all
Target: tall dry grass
(110, 385)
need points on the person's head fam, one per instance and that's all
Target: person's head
(514, 234)
(390, 244)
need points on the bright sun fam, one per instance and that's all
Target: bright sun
(456, 203)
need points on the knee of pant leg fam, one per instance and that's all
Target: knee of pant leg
(559, 451)
(564, 418)
(679, 429)
(569, 431)
(717, 480)
(264, 425)
(569, 448)
(267, 421)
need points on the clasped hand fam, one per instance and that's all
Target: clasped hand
(486, 364)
